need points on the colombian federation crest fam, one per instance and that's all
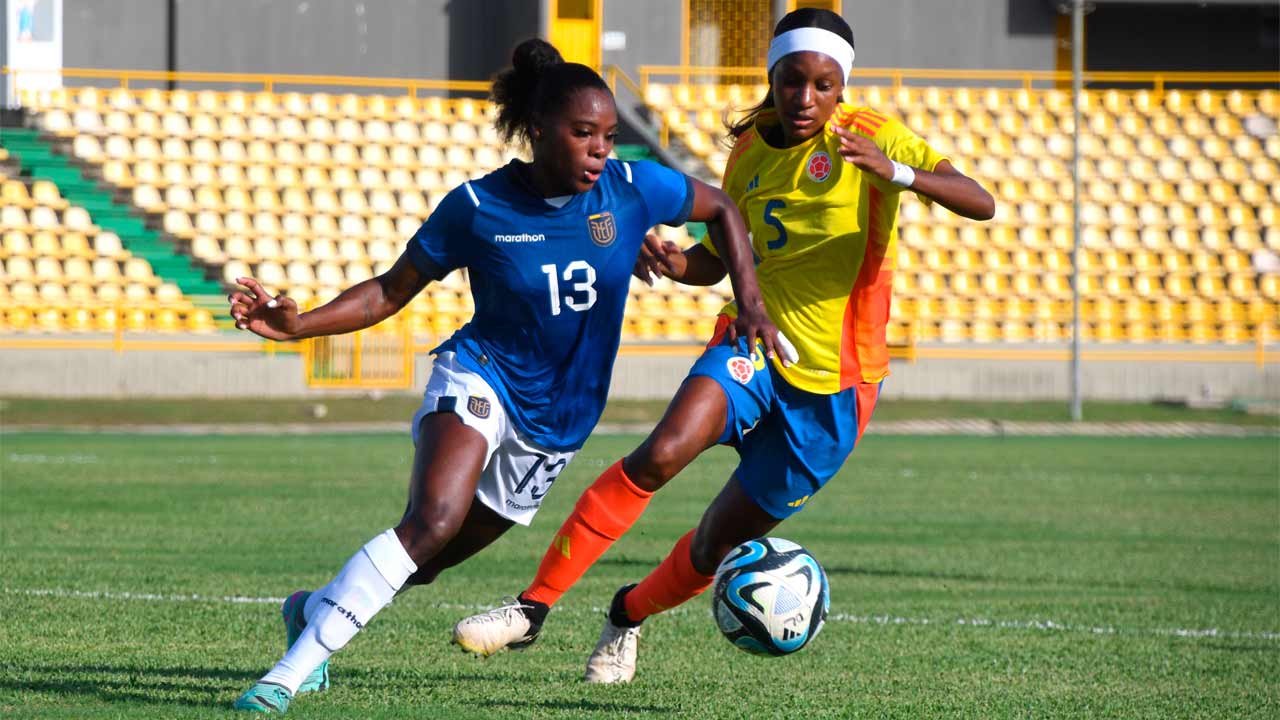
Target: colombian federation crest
(603, 230)
(819, 167)
(740, 369)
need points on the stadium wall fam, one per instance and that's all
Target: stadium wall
(386, 38)
(115, 34)
(471, 40)
(652, 30)
(975, 34)
(106, 374)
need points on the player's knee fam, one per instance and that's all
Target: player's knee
(706, 554)
(428, 529)
(655, 462)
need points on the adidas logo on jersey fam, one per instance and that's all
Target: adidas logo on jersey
(519, 238)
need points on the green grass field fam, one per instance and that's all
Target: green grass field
(979, 578)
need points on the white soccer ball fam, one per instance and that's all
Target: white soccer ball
(770, 597)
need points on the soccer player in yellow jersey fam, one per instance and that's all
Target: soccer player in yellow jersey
(818, 183)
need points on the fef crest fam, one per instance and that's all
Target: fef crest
(603, 230)
(478, 406)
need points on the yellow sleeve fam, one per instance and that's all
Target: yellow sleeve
(893, 138)
(899, 143)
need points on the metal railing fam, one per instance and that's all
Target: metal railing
(380, 357)
(130, 79)
(1028, 79)
(1260, 351)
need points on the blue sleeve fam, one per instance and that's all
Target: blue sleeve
(444, 238)
(668, 194)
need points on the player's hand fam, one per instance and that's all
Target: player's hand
(863, 153)
(256, 311)
(753, 323)
(661, 258)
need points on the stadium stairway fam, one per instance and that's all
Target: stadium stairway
(38, 159)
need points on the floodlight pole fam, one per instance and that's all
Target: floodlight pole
(1077, 82)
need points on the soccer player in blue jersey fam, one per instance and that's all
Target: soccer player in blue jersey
(549, 247)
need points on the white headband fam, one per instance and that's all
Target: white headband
(813, 40)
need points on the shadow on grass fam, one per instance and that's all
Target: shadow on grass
(612, 708)
(924, 574)
(197, 687)
(1052, 582)
(645, 564)
(122, 690)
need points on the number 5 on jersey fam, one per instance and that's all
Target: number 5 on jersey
(583, 294)
(769, 209)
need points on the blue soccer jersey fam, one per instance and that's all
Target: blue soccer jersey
(550, 285)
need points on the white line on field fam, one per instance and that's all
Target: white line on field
(971, 622)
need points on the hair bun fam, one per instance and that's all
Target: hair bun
(533, 56)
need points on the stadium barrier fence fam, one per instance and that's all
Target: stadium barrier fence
(1157, 82)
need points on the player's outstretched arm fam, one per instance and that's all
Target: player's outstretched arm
(946, 185)
(663, 258)
(358, 307)
(729, 236)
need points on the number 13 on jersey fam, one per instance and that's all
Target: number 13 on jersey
(583, 294)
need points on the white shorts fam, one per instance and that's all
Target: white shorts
(517, 473)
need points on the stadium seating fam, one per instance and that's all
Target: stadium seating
(312, 192)
(63, 273)
(1177, 199)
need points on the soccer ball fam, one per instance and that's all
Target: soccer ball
(770, 597)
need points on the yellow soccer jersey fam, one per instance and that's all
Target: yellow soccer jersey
(825, 234)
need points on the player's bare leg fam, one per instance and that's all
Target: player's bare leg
(691, 425)
(447, 466)
(732, 518)
(693, 422)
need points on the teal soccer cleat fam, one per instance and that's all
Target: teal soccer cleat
(294, 623)
(265, 698)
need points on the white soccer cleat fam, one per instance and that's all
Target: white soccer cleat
(614, 659)
(506, 626)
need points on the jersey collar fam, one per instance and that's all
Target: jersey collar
(514, 174)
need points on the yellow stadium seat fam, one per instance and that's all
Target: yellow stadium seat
(1269, 287)
(77, 270)
(48, 268)
(49, 320)
(165, 320)
(53, 293)
(78, 319)
(16, 243)
(109, 294)
(200, 321)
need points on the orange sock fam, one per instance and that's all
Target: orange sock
(606, 511)
(671, 583)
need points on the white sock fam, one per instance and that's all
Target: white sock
(337, 611)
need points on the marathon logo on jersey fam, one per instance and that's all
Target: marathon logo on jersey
(741, 369)
(343, 612)
(478, 406)
(603, 231)
(520, 238)
(819, 168)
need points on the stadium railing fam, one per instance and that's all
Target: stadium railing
(263, 81)
(897, 78)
